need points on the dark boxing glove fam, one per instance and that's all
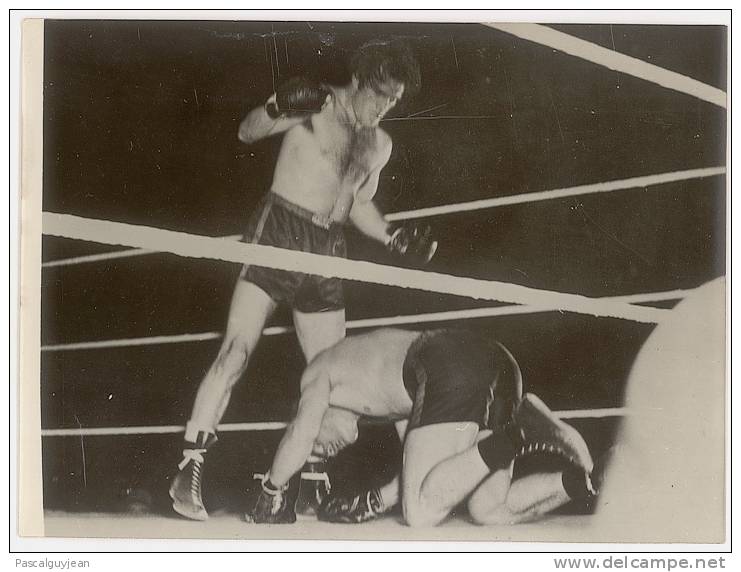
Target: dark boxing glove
(297, 96)
(413, 242)
(313, 489)
(355, 509)
(274, 505)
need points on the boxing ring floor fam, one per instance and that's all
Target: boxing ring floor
(553, 528)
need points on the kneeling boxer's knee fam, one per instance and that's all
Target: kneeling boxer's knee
(417, 515)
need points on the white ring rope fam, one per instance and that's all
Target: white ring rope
(97, 257)
(614, 60)
(277, 425)
(159, 429)
(129, 252)
(607, 186)
(470, 313)
(192, 246)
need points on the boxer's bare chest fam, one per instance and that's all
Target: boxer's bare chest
(352, 153)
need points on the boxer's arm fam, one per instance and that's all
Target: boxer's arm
(366, 504)
(291, 104)
(369, 186)
(298, 440)
(259, 125)
(364, 213)
(368, 219)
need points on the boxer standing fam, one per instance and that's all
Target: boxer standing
(326, 174)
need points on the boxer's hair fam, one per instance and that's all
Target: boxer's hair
(378, 61)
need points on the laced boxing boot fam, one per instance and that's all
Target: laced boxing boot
(540, 431)
(185, 489)
(313, 489)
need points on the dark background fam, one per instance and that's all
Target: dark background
(140, 124)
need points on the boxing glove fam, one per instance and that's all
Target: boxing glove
(352, 509)
(295, 97)
(313, 489)
(275, 505)
(413, 242)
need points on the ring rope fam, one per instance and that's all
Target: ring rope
(277, 425)
(470, 313)
(97, 257)
(614, 60)
(129, 252)
(192, 246)
(607, 186)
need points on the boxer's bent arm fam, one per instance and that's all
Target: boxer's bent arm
(259, 125)
(298, 440)
(364, 214)
(368, 219)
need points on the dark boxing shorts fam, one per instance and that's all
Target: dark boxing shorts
(280, 223)
(458, 376)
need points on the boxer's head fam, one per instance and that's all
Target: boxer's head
(382, 72)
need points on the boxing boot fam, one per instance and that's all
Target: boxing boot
(585, 488)
(540, 431)
(185, 490)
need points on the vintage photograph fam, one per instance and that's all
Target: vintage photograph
(382, 280)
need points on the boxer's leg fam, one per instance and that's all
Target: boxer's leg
(500, 501)
(317, 331)
(441, 467)
(250, 309)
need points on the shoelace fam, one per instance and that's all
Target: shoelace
(538, 447)
(195, 455)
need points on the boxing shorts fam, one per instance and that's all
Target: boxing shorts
(459, 376)
(280, 223)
